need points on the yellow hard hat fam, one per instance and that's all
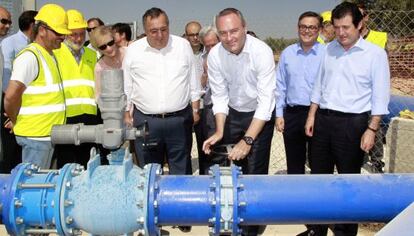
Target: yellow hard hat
(55, 17)
(76, 20)
(326, 16)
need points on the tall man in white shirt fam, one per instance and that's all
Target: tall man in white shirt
(160, 83)
(241, 72)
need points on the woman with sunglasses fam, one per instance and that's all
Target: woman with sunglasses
(102, 38)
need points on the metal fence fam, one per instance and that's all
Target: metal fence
(400, 28)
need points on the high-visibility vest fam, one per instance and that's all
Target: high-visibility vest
(78, 81)
(43, 102)
(320, 40)
(377, 37)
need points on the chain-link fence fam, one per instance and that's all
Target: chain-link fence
(400, 47)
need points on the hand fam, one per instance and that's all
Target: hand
(367, 140)
(310, 122)
(239, 151)
(196, 118)
(128, 120)
(8, 124)
(280, 124)
(215, 138)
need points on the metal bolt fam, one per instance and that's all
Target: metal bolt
(156, 220)
(28, 172)
(69, 220)
(156, 186)
(212, 220)
(141, 232)
(68, 202)
(213, 186)
(158, 172)
(155, 204)
(140, 204)
(141, 185)
(141, 220)
(19, 220)
(18, 203)
(75, 172)
(241, 186)
(76, 232)
(52, 203)
(34, 167)
(242, 204)
(213, 203)
(241, 220)
(68, 185)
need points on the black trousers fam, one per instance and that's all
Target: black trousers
(297, 143)
(203, 130)
(70, 153)
(173, 139)
(336, 142)
(12, 152)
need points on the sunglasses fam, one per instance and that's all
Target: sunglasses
(90, 29)
(51, 30)
(109, 44)
(5, 21)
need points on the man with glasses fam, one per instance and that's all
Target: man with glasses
(241, 72)
(11, 46)
(295, 76)
(350, 94)
(93, 23)
(76, 64)
(34, 99)
(5, 23)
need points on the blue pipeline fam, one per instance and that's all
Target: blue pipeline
(122, 198)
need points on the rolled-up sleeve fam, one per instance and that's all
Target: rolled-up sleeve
(266, 86)
(380, 84)
(218, 84)
(126, 66)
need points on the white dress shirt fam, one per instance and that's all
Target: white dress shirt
(160, 81)
(245, 82)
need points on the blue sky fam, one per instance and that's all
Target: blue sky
(276, 18)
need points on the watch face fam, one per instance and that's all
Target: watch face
(248, 140)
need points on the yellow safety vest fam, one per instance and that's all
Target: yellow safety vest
(78, 81)
(377, 37)
(43, 102)
(320, 40)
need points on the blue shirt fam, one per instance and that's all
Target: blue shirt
(295, 75)
(10, 47)
(353, 81)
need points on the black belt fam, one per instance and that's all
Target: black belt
(168, 114)
(297, 108)
(330, 112)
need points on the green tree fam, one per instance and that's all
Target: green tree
(395, 5)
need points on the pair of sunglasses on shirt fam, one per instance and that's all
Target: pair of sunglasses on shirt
(109, 44)
(5, 21)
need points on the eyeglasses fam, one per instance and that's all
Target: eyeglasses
(5, 21)
(311, 28)
(109, 44)
(192, 35)
(90, 29)
(50, 29)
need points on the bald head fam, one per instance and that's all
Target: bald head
(5, 21)
(192, 29)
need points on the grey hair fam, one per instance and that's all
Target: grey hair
(206, 30)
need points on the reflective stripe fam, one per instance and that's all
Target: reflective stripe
(41, 109)
(40, 139)
(77, 101)
(42, 89)
(78, 82)
(46, 69)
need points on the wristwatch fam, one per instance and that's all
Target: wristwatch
(248, 140)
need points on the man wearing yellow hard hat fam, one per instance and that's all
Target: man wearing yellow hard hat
(328, 32)
(76, 64)
(376, 37)
(34, 99)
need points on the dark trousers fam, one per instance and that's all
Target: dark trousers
(257, 161)
(297, 144)
(336, 142)
(173, 137)
(70, 153)
(203, 131)
(12, 152)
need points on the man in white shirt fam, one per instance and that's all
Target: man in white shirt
(241, 72)
(160, 82)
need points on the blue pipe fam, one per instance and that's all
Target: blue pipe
(122, 198)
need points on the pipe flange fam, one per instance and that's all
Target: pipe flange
(151, 190)
(238, 204)
(214, 222)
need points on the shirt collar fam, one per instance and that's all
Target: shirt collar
(23, 36)
(246, 46)
(82, 50)
(148, 46)
(313, 50)
(359, 45)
